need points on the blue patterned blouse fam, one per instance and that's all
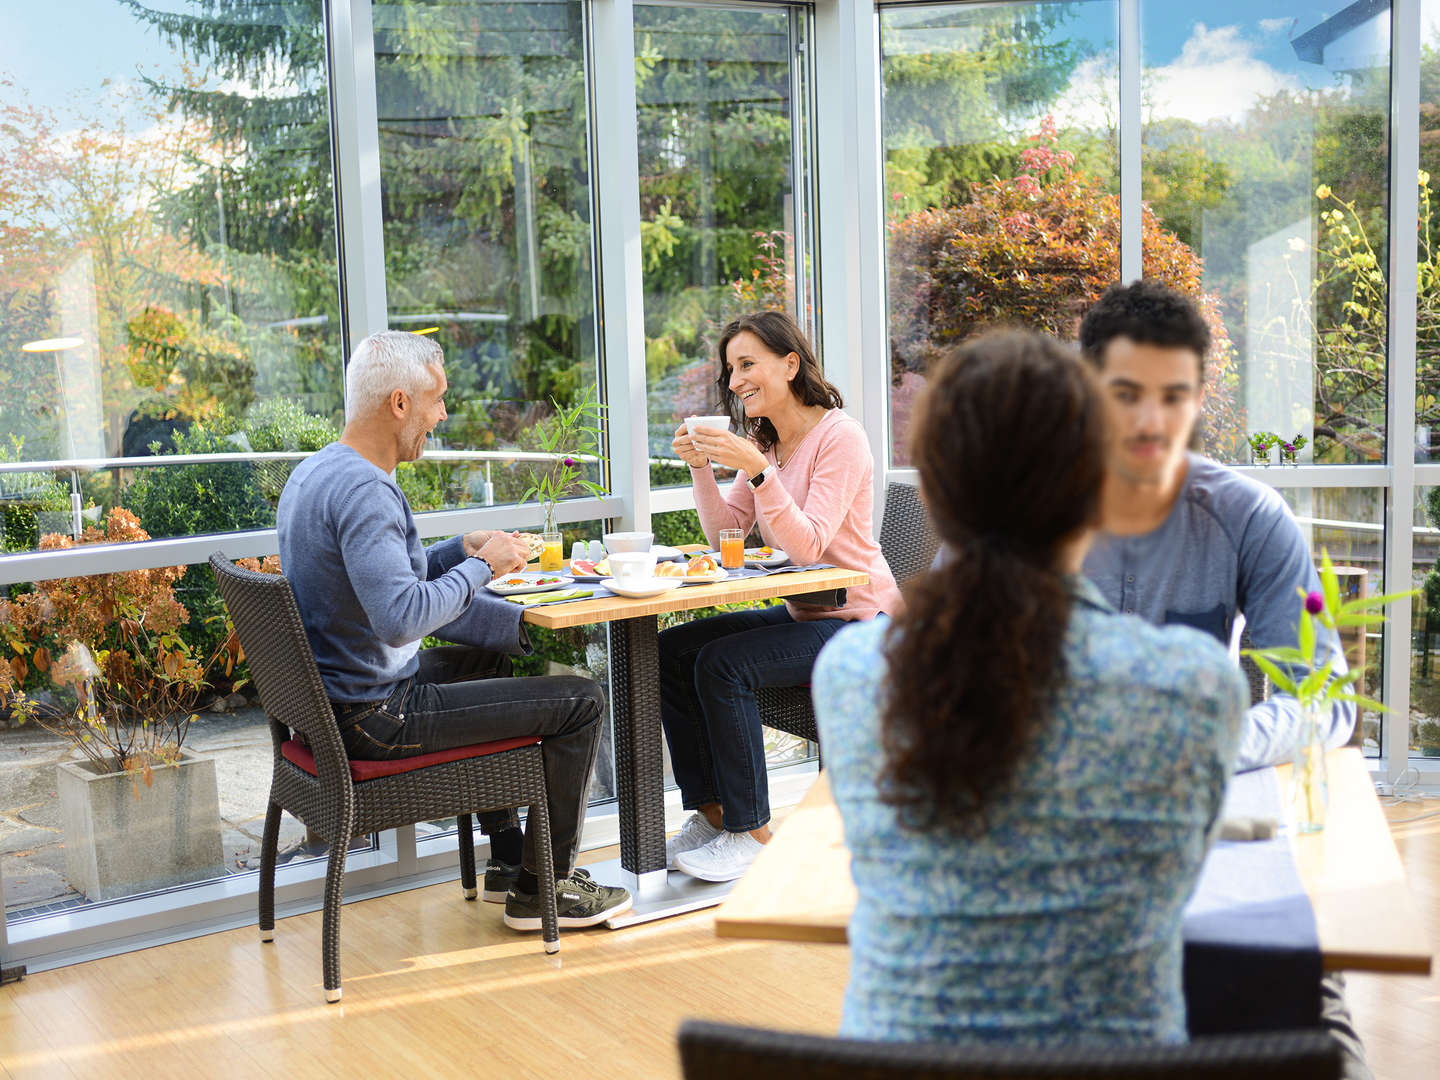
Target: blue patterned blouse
(1061, 925)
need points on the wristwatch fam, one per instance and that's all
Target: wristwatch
(759, 478)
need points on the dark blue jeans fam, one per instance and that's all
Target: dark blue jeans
(709, 672)
(458, 697)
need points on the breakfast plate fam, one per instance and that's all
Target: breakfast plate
(718, 574)
(584, 570)
(528, 581)
(765, 556)
(642, 588)
(664, 552)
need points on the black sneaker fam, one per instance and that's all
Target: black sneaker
(579, 901)
(499, 877)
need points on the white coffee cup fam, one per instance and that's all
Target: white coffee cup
(632, 565)
(693, 422)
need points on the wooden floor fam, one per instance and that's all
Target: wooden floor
(435, 986)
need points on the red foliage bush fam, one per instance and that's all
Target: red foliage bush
(1035, 251)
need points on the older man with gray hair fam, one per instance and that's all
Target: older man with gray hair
(368, 592)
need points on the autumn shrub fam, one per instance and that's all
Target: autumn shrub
(111, 645)
(1036, 251)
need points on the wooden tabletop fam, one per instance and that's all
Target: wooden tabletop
(799, 888)
(686, 597)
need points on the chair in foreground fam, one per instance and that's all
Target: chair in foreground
(719, 1051)
(909, 543)
(339, 799)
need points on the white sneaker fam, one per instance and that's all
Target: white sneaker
(725, 858)
(696, 832)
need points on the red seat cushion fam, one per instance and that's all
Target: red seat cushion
(299, 754)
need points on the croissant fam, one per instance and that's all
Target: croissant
(701, 566)
(669, 569)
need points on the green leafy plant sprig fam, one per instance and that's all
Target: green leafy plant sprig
(1294, 669)
(573, 430)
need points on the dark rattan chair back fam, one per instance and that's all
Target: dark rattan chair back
(906, 536)
(719, 1052)
(267, 621)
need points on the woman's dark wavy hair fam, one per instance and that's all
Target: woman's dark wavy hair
(1009, 443)
(781, 336)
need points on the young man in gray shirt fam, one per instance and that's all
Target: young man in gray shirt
(368, 592)
(1183, 539)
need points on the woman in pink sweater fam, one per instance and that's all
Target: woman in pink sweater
(803, 474)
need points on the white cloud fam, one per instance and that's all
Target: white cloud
(1275, 26)
(1216, 76)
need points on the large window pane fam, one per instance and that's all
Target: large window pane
(1266, 169)
(485, 176)
(1001, 175)
(1427, 343)
(167, 254)
(724, 189)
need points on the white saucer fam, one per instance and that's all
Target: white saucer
(642, 588)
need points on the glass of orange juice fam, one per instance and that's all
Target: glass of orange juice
(732, 548)
(552, 555)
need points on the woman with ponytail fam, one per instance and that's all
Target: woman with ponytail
(1028, 780)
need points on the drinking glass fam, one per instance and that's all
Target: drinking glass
(552, 555)
(732, 548)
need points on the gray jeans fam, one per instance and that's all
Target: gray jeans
(455, 700)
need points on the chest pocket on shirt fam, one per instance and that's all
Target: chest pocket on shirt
(1211, 622)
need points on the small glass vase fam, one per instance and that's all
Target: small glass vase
(1309, 784)
(1260, 457)
(1289, 458)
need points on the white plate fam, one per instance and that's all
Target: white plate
(720, 574)
(531, 583)
(664, 553)
(642, 588)
(775, 558)
(587, 578)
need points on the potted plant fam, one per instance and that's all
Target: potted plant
(1290, 451)
(140, 811)
(1307, 676)
(571, 432)
(1429, 738)
(1260, 444)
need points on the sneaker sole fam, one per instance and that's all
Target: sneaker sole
(709, 875)
(569, 922)
(494, 896)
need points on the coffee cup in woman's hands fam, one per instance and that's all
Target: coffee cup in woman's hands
(684, 447)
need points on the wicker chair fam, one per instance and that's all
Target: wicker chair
(909, 543)
(718, 1052)
(339, 799)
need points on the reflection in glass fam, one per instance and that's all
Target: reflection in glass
(1425, 627)
(724, 200)
(1001, 175)
(1349, 523)
(169, 251)
(1265, 155)
(485, 178)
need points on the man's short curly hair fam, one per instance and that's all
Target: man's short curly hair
(1148, 313)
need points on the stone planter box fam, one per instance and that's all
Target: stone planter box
(119, 845)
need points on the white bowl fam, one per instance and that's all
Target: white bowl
(632, 565)
(628, 541)
(692, 422)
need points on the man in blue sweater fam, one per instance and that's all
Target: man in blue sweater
(1183, 539)
(368, 592)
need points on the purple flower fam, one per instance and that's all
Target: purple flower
(1289, 449)
(570, 461)
(1314, 603)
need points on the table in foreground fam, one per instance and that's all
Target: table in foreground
(635, 698)
(800, 887)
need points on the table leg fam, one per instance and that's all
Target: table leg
(640, 783)
(639, 771)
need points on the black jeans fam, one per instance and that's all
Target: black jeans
(456, 699)
(709, 672)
